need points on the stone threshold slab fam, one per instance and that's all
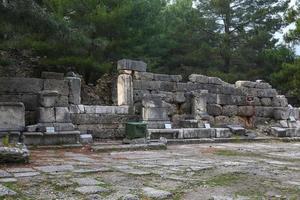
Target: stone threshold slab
(229, 140)
(129, 147)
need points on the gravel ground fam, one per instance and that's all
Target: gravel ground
(192, 172)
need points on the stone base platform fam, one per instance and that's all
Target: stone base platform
(57, 138)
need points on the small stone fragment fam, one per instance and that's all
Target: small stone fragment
(155, 193)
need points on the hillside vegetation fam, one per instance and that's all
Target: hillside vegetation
(232, 39)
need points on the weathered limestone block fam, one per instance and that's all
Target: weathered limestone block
(168, 86)
(261, 121)
(138, 94)
(198, 78)
(246, 111)
(14, 155)
(62, 101)
(266, 112)
(281, 113)
(12, 116)
(199, 103)
(146, 85)
(294, 112)
(263, 85)
(143, 76)
(76, 109)
(125, 90)
(190, 133)
(52, 75)
(61, 86)
(229, 89)
(179, 97)
(74, 90)
(165, 77)
(48, 98)
(248, 84)
(212, 98)
(266, 93)
(155, 114)
(21, 85)
(126, 64)
(225, 99)
(106, 109)
(153, 101)
(279, 101)
(102, 118)
(62, 114)
(215, 81)
(223, 133)
(230, 110)
(46, 115)
(237, 129)
(214, 109)
(187, 87)
(222, 120)
(166, 96)
(266, 101)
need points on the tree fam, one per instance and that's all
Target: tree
(246, 28)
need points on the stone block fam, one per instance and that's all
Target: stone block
(155, 114)
(138, 94)
(62, 114)
(179, 97)
(212, 98)
(266, 112)
(166, 133)
(238, 130)
(194, 133)
(246, 111)
(102, 118)
(266, 101)
(223, 133)
(74, 90)
(198, 78)
(146, 85)
(270, 93)
(21, 85)
(225, 99)
(48, 98)
(12, 116)
(143, 76)
(281, 113)
(62, 101)
(64, 137)
(86, 139)
(126, 64)
(61, 86)
(199, 104)
(228, 89)
(76, 109)
(125, 90)
(229, 110)
(46, 115)
(279, 101)
(214, 109)
(33, 138)
(190, 123)
(278, 132)
(294, 112)
(248, 84)
(168, 86)
(52, 75)
(222, 120)
(157, 124)
(215, 81)
(263, 85)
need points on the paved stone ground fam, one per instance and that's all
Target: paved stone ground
(204, 171)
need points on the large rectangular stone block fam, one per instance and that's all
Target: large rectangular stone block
(12, 116)
(46, 115)
(61, 86)
(198, 78)
(143, 76)
(165, 77)
(198, 133)
(246, 111)
(281, 113)
(223, 133)
(230, 110)
(155, 114)
(102, 118)
(21, 85)
(52, 75)
(279, 101)
(266, 112)
(74, 90)
(126, 64)
(214, 109)
(62, 114)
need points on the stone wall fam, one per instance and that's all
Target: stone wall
(103, 122)
(27, 91)
(245, 103)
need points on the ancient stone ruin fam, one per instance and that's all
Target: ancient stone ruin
(48, 110)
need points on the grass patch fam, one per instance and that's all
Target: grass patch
(224, 152)
(226, 179)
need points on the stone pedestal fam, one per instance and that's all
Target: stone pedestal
(12, 116)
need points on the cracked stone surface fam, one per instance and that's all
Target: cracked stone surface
(210, 171)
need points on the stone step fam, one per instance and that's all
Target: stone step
(285, 132)
(191, 123)
(236, 129)
(166, 133)
(157, 124)
(57, 138)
